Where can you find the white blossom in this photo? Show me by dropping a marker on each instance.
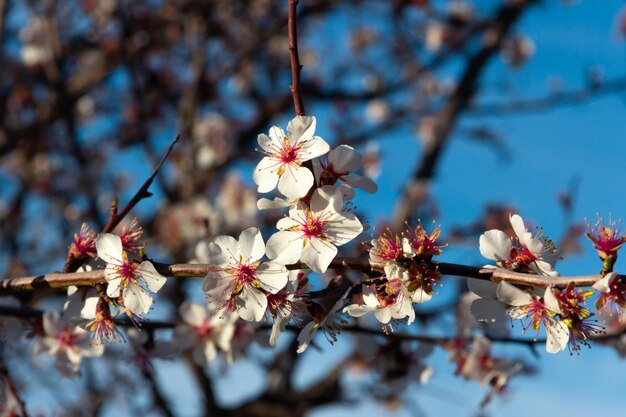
(240, 283)
(312, 234)
(285, 154)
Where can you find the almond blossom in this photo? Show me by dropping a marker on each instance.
(204, 331)
(285, 154)
(337, 168)
(536, 310)
(287, 303)
(612, 298)
(312, 234)
(133, 282)
(534, 253)
(69, 344)
(242, 282)
(607, 239)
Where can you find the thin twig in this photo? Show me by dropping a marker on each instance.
(73, 261)
(295, 60)
(8, 382)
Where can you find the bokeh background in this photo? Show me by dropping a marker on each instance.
(478, 108)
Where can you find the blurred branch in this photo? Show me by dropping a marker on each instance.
(550, 101)
(12, 390)
(416, 189)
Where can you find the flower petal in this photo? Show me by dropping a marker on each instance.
(284, 247)
(154, 281)
(512, 295)
(251, 245)
(251, 304)
(109, 248)
(318, 254)
(295, 182)
(495, 245)
(272, 276)
(265, 174)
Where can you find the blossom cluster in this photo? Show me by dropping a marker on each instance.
(314, 183)
(408, 276)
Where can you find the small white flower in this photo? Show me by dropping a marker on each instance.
(69, 344)
(535, 311)
(240, 284)
(336, 168)
(312, 234)
(204, 331)
(534, 252)
(127, 279)
(285, 154)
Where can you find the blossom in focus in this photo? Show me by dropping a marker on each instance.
(69, 344)
(534, 311)
(204, 331)
(85, 241)
(534, 253)
(612, 298)
(337, 167)
(576, 316)
(130, 235)
(607, 239)
(285, 154)
(423, 243)
(242, 282)
(389, 247)
(312, 234)
(133, 282)
(388, 298)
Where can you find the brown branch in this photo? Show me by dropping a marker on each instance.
(295, 61)
(92, 278)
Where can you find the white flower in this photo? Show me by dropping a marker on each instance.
(388, 301)
(70, 345)
(288, 302)
(536, 253)
(337, 167)
(313, 234)
(125, 278)
(536, 310)
(282, 164)
(203, 330)
(240, 284)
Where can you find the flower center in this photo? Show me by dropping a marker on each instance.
(67, 338)
(288, 153)
(128, 272)
(244, 273)
(204, 330)
(313, 226)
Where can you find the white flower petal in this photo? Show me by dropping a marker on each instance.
(284, 247)
(549, 299)
(251, 304)
(344, 158)
(603, 284)
(136, 299)
(295, 182)
(251, 245)
(495, 245)
(512, 295)
(154, 281)
(518, 226)
(272, 276)
(306, 335)
(558, 335)
(301, 128)
(265, 174)
(318, 254)
(109, 248)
